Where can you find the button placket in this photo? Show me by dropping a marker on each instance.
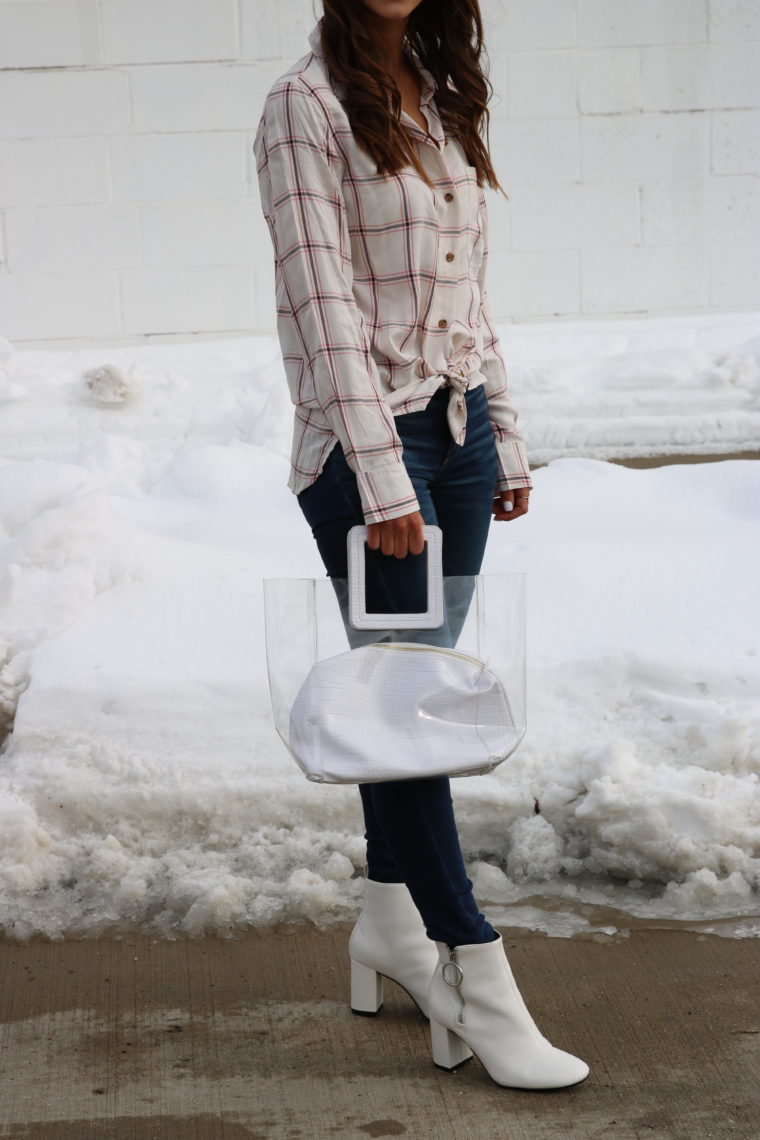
(447, 197)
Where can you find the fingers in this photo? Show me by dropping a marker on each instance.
(511, 504)
(416, 541)
(397, 537)
(391, 542)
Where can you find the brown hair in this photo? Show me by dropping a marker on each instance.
(447, 35)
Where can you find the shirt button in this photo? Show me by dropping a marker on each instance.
(443, 323)
(449, 256)
(448, 196)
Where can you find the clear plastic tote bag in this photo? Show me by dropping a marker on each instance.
(361, 695)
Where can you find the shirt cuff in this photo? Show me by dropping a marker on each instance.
(514, 470)
(386, 493)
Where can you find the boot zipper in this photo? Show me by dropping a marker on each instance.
(456, 981)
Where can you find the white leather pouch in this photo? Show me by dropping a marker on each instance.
(403, 702)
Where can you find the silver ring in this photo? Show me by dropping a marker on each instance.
(457, 967)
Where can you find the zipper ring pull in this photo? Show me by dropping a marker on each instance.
(459, 974)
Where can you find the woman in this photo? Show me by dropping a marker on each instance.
(370, 167)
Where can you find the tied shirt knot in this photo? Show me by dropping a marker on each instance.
(456, 411)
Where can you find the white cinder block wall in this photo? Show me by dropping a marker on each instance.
(626, 132)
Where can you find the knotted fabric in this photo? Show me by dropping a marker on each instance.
(456, 412)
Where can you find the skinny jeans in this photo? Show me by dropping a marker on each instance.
(410, 826)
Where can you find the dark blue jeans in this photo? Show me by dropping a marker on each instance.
(411, 830)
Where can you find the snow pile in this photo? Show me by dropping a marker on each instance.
(143, 498)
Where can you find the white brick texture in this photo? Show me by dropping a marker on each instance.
(734, 20)
(645, 145)
(53, 34)
(618, 22)
(574, 215)
(542, 84)
(59, 239)
(691, 77)
(736, 142)
(609, 80)
(530, 25)
(165, 31)
(673, 277)
(735, 272)
(625, 132)
(187, 298)
(683, 210)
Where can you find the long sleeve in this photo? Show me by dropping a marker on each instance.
(298, 167)
(513, 460)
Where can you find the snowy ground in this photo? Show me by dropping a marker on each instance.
(143, 783)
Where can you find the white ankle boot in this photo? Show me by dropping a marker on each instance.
(389, 940)
(475, 1007)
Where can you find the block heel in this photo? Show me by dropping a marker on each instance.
(449, 1050)
(389, 942)
(366, 989)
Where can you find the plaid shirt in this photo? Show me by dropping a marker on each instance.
(380, 287)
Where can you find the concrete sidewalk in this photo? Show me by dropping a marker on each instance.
(252, 1039)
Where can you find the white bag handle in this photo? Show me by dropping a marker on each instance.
(431, 618)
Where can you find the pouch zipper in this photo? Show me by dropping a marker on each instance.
(426, 649)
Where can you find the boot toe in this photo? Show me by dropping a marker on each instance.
(567, 1069)
(549, 1068)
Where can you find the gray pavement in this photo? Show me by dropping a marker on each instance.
(252, 1038)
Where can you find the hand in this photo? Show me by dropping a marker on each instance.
(510, 504)
(399, 536)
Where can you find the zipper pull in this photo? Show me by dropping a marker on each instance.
(454, 978)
